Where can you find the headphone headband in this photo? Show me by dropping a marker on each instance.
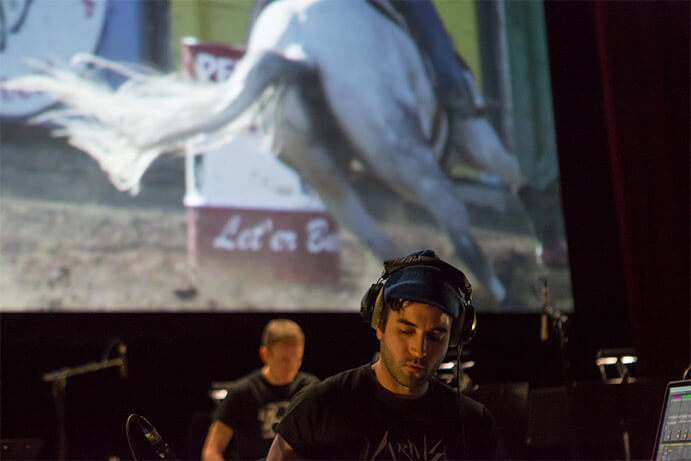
(453, 275)
(465, 324)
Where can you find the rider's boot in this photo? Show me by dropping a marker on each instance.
(463, 99)
(452, 76)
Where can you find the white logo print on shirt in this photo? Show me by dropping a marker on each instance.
(405, 450)
(269, 415)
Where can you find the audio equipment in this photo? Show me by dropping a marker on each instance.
(449, 284)
(152, 436)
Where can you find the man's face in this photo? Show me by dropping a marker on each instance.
(413, 344)
(283, 360)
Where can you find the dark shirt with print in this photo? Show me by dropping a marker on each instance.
(252, 409)
(351, 416)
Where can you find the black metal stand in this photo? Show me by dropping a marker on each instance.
(59, 380)
(555, 321)
(58, 391)
(557, 324)
(623, 413)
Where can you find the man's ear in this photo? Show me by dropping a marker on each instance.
(379, 332)
(264, 353)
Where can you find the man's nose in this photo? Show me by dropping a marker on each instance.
(419, 346)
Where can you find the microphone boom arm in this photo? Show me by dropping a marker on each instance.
(91, 367)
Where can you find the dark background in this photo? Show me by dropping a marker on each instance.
(620, 76)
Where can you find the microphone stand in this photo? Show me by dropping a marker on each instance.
(557, 321)
(59, 380)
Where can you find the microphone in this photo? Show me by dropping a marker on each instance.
(155, 440)
(544, 329)
(122, 352)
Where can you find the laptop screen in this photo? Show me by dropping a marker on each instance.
(673, 439)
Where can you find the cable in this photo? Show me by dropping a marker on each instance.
(128, 424)
(458, 367)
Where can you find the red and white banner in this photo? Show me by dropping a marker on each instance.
(245, 206)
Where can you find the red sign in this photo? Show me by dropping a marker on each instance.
(293, 245)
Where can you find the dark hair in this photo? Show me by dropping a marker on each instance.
(390, 305)
(280, 329)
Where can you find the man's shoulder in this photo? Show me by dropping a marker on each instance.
(304, 378)
(472, 406)
(345, 381)
(337, 391)
(301, 381)
(244, 383)
(468, 406)
(239, 398)
(349, 378)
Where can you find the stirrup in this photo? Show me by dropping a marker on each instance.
(467, 102)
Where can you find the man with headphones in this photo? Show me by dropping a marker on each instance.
(395, 408)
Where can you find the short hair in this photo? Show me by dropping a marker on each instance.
(280, 329)
(395, 305)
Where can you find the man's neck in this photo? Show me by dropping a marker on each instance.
(266, 373)
(387, 381)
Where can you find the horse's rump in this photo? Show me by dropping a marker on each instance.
(355, 63)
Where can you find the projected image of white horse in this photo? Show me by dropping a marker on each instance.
(332, 81)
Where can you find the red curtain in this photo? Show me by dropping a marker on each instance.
(620, 73)
(643, 52)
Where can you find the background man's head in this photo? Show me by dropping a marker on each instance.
(283, 344)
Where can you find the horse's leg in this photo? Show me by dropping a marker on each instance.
(341, 200)
(407, 164)
(318, 164)
(476, 142)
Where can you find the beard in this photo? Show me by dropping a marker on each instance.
(398, 370)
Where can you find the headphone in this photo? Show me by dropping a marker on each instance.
(464, 326)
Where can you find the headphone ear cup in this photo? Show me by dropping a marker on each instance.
(369, 301)
(469, 327)
(464, 327)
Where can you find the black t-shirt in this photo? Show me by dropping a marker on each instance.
(252, 408)
(351, 416)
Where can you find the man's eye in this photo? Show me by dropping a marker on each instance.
(406, 332)
(437, 336)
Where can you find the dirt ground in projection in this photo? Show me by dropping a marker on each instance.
(70, 241)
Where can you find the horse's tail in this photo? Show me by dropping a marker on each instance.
(126, 129)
